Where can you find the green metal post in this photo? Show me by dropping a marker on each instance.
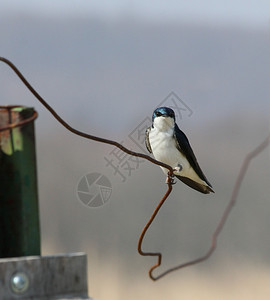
(19, 214)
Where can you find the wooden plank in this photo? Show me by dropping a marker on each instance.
(61, 276)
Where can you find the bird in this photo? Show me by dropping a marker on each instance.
(170, 145)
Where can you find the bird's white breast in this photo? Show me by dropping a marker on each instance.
(161, 138)
(164, 148)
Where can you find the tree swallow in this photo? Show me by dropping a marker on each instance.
(170, 145)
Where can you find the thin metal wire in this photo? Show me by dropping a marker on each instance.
(226, 212)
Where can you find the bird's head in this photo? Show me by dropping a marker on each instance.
(163, 118)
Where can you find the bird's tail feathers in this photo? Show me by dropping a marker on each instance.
(205, 189)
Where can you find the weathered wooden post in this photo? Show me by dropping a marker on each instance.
(44, 277)
(24, 274)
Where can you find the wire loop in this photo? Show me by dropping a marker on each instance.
(18, 124)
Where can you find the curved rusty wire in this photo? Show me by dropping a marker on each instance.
(226, 212)
(225, 215)
(146, 227)
(102, 140)
(21, 123)
(75, 131)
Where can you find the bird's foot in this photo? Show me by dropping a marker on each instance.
(170, 179)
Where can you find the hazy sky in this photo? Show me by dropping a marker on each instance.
(246, 12)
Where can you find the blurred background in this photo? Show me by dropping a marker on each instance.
(104, 66)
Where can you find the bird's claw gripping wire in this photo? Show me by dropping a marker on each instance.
(171, 177)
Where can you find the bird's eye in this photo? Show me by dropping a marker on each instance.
(158, 113)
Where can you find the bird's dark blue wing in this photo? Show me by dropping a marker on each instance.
(147, 143)
(184, 147)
